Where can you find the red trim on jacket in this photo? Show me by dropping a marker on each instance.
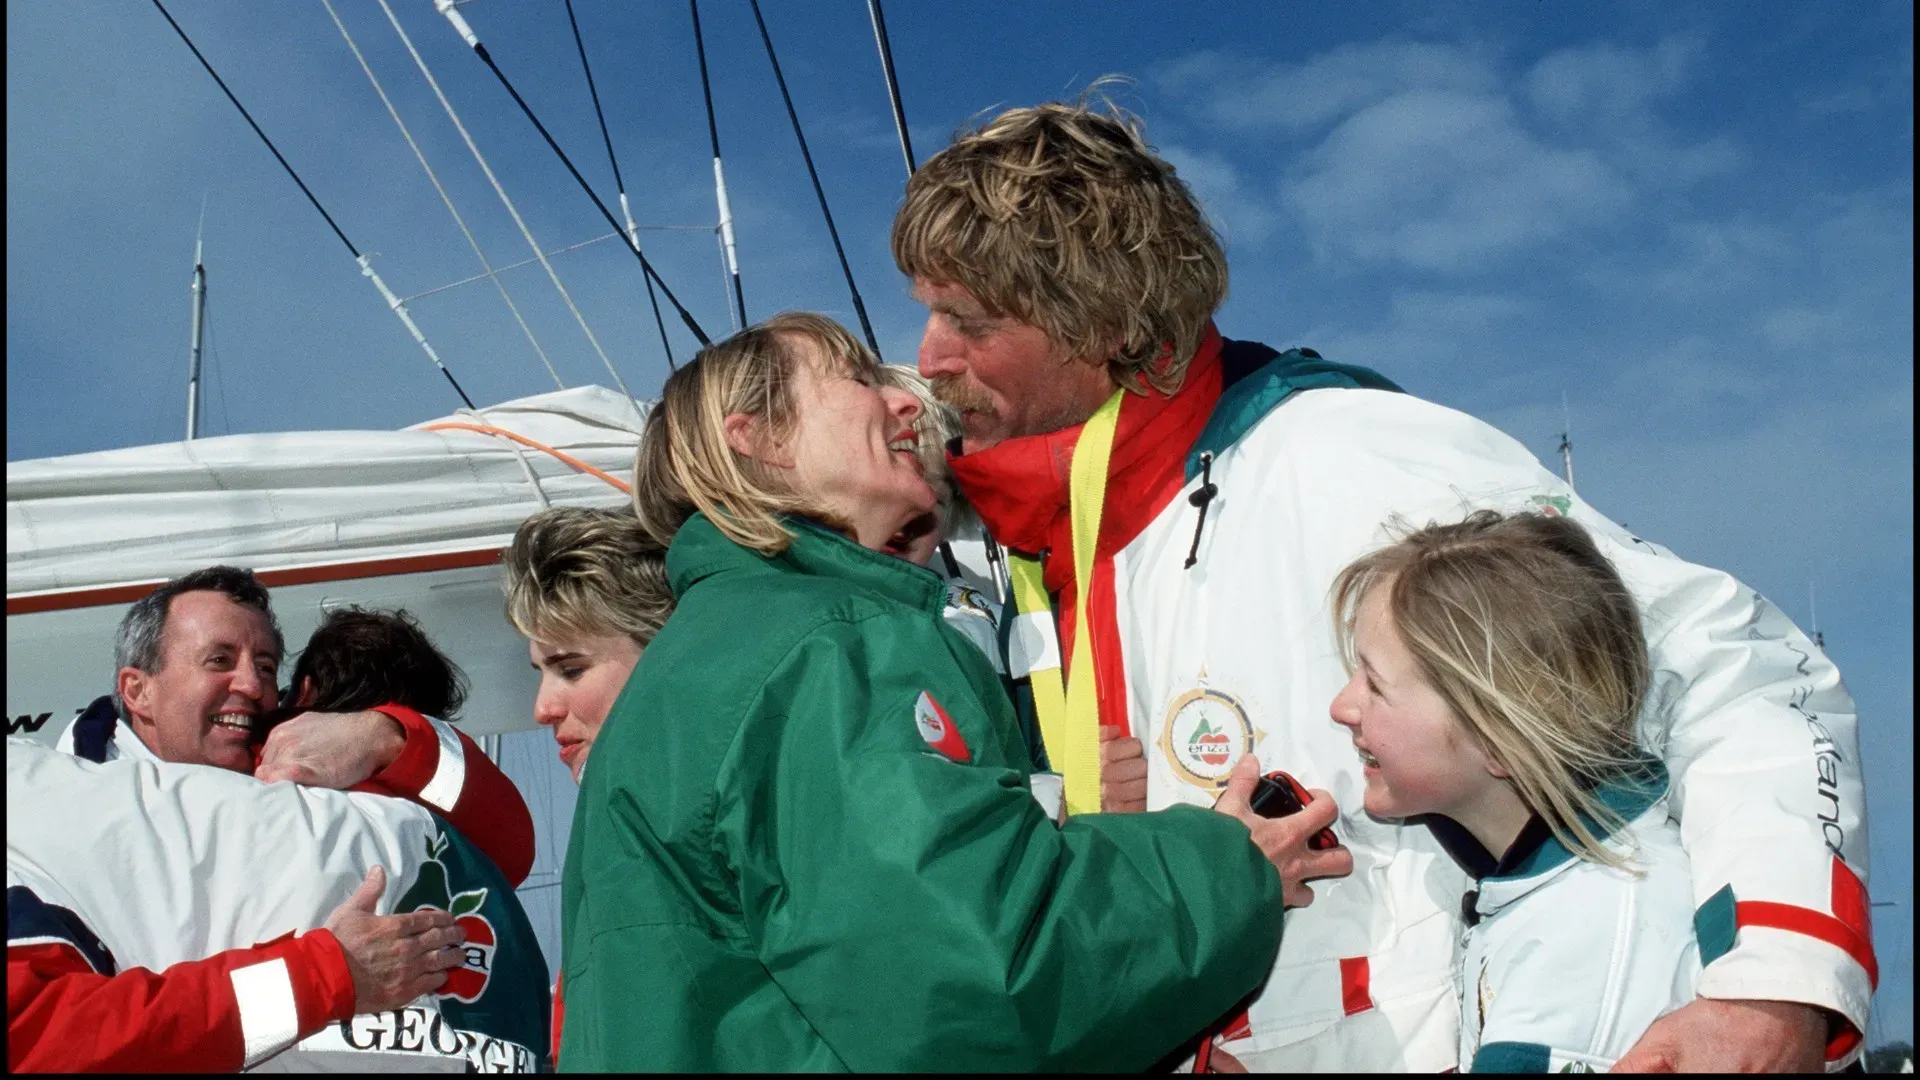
(1020, 487)
(488, 811)
(62, 1016)
(1849, 929)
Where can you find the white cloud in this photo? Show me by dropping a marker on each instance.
(1446, 181)
(1237, 210)
(1325, 88)
(1606, 81)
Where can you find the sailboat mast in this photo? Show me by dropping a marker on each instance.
(1566, 440)
(199, 327)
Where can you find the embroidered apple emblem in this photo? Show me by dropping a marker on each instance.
(468, 981)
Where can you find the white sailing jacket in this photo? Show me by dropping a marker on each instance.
(139, 864)
(1235, 653)
(1566, 962)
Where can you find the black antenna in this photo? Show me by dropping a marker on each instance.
(366, 267)
(893, 82)
(480, 50)
(859, 308)
(719, 173)
(633, 233)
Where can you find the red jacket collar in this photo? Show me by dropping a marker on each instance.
(1020, 486)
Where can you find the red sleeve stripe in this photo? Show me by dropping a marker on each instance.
(1356, 990)
(1814, 924)
(269, 1019)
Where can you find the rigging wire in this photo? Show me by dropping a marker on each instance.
(893, 82)
(507, 201)
(366, 263)
(446, 8)
(550, 252)
(739, 311)
(859, 308)
(626, 211)
(421, 157)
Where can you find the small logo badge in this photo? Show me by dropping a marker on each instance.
(1552, 505)
(938, 729)
(1204, 734)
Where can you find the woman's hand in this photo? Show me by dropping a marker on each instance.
(1284, 840)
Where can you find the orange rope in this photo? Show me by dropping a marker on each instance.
(488, 429)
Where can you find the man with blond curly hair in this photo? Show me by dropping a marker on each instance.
(1175, 506)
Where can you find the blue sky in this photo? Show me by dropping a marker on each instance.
(1694, 222)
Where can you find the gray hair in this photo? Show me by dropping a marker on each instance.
(143, 629)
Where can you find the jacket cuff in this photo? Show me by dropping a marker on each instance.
(414, 768)
(317, 971)
(1779, 965)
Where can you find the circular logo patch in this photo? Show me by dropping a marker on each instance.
(1204, 734)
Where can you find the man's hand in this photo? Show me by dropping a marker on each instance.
(1123, 773)
(1709, 1035)
(1284, 840)
(393, 958)
(331, 750)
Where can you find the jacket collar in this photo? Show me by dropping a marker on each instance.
(1020, 486)
(700, 550)
(1536, 855)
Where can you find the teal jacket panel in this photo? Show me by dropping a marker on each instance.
(805, 841)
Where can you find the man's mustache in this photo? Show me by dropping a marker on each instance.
(956, 391)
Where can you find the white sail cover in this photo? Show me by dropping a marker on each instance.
(305, 498)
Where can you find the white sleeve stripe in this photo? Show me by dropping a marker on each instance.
(450, 776)
(269, 1020)
(48, 939)
(1032, 644)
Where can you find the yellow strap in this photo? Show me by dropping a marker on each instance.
(1070, 716)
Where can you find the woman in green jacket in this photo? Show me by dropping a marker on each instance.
(807, 840)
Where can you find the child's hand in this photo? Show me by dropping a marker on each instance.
(1284, 840)
(1123, 773)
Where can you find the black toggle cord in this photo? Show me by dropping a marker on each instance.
(1201, 496)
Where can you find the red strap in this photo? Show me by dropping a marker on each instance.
(1355, 984)
(1814, 924)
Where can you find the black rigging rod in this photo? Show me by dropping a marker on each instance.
(686, 316)
(713, 136)
(620, 185)
(859, 308)
(365, 266)
(893, 82)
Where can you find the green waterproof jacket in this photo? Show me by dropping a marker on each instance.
(805, 841)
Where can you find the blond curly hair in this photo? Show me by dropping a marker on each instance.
(1062, 217)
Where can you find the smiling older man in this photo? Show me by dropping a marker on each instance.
(1176, 505)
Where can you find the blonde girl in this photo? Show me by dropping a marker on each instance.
(1498, 673)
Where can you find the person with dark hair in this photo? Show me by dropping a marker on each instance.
(359, 659)
(381, 663)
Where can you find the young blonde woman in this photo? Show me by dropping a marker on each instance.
(588, 588)
(807, 841)
(1498, 672)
